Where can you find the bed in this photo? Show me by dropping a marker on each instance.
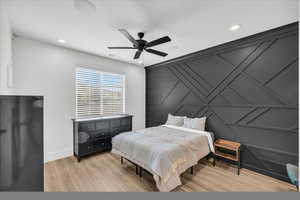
(165, 151)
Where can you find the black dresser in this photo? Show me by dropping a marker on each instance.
(94, 135)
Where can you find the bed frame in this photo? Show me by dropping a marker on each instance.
(139, 170)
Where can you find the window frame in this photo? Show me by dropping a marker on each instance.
(100, 72)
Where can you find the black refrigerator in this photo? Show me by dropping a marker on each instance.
(21, 143)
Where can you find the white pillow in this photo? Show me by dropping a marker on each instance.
(175, 120)
(195, 123)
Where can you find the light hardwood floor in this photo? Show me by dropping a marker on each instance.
(104, 173)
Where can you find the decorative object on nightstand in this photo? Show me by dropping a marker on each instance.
(292, 171)
(228, 150)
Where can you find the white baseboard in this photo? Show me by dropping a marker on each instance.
(50, 156)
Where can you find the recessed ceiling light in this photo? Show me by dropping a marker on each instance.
(61, 41)
(234, 27)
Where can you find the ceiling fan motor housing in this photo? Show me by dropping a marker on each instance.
(142, 44)
(141, 35)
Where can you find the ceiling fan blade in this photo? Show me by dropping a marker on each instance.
(85, 6)
(121, 47)
(156, 52)
(137, 54)
(128, 36)
(159, 41)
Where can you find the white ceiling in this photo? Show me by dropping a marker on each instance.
(193, 25)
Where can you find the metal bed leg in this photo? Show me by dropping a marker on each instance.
(141, 169)
(214, 160)
(136, 169)
(121, 160)
(192, 170)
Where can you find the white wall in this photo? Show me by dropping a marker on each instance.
(44, 69)
(5, 49)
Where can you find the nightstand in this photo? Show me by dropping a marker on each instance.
(228, 150)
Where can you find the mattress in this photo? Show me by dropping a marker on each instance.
(166, 151)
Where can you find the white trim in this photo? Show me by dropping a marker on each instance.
(124, 92)
(50, 156)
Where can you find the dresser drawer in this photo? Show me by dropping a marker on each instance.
(115, 123)
(102, 125)
(126, 128)
(102, 145)
(114, 132)
(85, 149)
(98, 134)
(95, 146)
(92, 136)
(126, 121)
(89, 126)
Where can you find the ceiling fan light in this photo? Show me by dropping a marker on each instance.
(84, 6)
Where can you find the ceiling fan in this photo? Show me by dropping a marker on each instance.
(84, 6)
(142, 45)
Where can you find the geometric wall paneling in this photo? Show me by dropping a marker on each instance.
(175, 96)
(276, 156)
(208, 66)
(282, 85)
(268, 139)
(189, 84)
(160, 75)
(220, 100)
(155, 115)
(233, 96)
(247, 89)
(237, 56)
(277, 118)
(271, 163)
(244, 85)
(286, 50)
(251, 160)
(188, 110)
(231, 114)
(218, 127)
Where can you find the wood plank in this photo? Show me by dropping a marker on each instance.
(227, 144)
(104, 173)
(226, 155)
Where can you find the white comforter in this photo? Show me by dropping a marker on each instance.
(165, 151)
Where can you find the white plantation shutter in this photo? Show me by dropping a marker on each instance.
(98, 93)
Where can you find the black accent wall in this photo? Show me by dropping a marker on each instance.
(248, 90)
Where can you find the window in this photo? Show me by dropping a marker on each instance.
(99, 93)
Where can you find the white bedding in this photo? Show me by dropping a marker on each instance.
(165, 151)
